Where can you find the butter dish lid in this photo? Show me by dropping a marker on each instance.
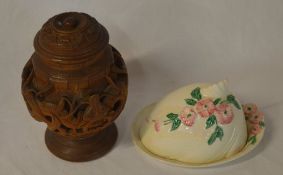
(199, 124)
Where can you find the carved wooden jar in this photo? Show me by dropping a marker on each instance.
(76, 83)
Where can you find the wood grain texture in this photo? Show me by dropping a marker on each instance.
(74, 81)
(82, 149)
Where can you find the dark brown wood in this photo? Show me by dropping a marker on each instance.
(81, 149)
(76, 83)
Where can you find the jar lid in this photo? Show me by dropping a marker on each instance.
(70, 35)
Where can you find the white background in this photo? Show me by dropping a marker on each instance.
(166, 44)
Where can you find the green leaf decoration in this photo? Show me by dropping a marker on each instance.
(236, 104)
(210, 121)
(219, 132)
(216, 101)
(249, 139)
(231, 99)
(176, 124)
(212, 138)
(252, 139)
(172, 116)
(190, 101)
(261, 124)
(196, 93)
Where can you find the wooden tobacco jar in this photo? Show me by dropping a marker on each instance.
(76, 83)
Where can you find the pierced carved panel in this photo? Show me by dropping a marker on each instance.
(76, 113)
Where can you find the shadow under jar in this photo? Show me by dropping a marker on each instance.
(76, 83)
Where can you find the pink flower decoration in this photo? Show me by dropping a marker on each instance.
(205, 107)
(249, 109)
(156, 125)
(224, 113)
(188, 116)
(255, 118)
(254, 129)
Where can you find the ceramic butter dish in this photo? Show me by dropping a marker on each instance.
(198, 125)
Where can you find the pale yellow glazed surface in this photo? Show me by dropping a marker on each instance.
(189, 144)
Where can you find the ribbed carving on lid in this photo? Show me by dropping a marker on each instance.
(70, 36)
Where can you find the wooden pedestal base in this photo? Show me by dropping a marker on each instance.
(81, 149)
